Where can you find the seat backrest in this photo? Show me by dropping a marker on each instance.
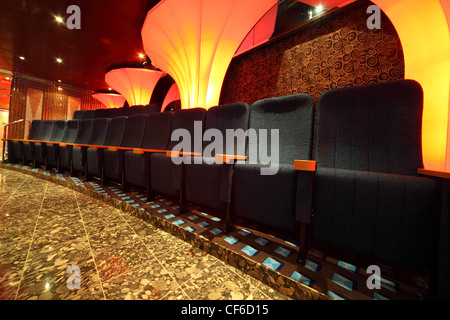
(84, 132)
(88, 114)
(109, 113)
(58, 130)
(35, 129)
(99, 131)
(157, 131)
(135, 110)
(184, 119)
(71, 131)
(152, 108)
(46, 130)
(78, 114)
(134, 131)
(293, 117)
(373, 128)
(100, 113)
(116, 130)
(229, 116)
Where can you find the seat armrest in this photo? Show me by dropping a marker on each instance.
(305, 165)
(171, 154)
(437, 174)
(229, 158)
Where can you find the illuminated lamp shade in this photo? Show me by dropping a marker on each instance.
(172, 95)
(260, 33)
(110, 100)
(135, 84)
(327, 4)
(194, 41)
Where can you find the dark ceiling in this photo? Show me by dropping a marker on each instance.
(109, 35)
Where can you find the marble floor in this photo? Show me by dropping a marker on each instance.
(50, 234)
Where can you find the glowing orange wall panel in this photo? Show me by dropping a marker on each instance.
(110, 100)
(172, 95)
(424, 33)
(135, 84)
(194, 41)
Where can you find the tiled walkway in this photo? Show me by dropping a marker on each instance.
(46, 228)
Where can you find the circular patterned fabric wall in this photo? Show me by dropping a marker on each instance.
(334, 51)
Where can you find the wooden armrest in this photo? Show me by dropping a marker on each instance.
(142, 151)
(438, 174)
(95, 147)
(305, 165)
(229, 158)
(171, 154)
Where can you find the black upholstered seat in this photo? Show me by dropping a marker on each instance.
(156, 137)
(100, 113)
(78, 114)
(165, 176)
(88, 114)
(132, 138)
(83, 135)
(114, 136)
(266, 199)
(17, 148)
(44, 135)
(209, 184)
(41, 149)
(70, 134)
(94, 134)
(369, 199)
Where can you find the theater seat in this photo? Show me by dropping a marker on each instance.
(368, 197)
(78, 114)
(38, 149)
(88, 114)
(209, 185)
(43, 149)
(97, 136)
(266, 200)
(156, 137)
(16, 148)
(132, 138)
(114, 136)
(165, 176)
(53, 150)
(82, 137)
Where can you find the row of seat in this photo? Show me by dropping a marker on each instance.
(347, 173)
(116, 112)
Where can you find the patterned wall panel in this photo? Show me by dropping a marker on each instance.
(332, 51)
(55, 101)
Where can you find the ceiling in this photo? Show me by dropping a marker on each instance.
(110, 35)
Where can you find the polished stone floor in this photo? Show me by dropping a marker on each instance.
(48, 233)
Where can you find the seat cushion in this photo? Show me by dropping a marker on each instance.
(382, 216)
(265, 199)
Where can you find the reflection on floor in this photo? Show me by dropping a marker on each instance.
(45, 228)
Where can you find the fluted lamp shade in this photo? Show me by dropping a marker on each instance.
(135, 84)
(194, 41)
(172, 95)
(110, 100)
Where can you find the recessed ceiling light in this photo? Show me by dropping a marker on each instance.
(141, 55)
(59, 60)
(59, 81)
(59, 19)
(22, 58)
(109, 89)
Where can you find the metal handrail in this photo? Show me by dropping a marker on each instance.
(4, 134)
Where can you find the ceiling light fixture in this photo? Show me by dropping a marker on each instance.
(141, 55)
(59, 60)
(59, 19)
(22, 58)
